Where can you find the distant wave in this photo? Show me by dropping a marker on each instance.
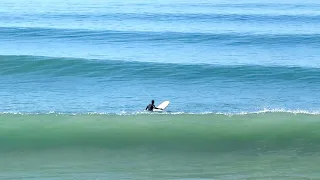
(59, 67)
(202, 17)
(271, 5)
(103, 37)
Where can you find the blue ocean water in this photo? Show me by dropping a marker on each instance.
(204, 56)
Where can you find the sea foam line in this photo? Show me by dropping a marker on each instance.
(124, 113)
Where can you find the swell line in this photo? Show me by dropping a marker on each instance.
(78, 35)
(162, 17)
(61, 67)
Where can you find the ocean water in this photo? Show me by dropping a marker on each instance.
(243, 79)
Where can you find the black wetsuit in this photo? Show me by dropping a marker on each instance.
(150, 107)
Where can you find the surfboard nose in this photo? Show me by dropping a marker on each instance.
(163, 105)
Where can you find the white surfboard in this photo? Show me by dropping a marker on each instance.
(162, 106)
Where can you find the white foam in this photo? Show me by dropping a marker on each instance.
(124, 113)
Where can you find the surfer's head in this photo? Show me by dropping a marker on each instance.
(152, 101)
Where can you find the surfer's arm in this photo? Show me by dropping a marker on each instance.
(154, 107)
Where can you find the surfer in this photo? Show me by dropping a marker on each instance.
(151, 106)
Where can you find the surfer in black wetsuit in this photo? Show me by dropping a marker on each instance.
(151, 106)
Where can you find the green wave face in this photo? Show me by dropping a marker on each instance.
(265, 132)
